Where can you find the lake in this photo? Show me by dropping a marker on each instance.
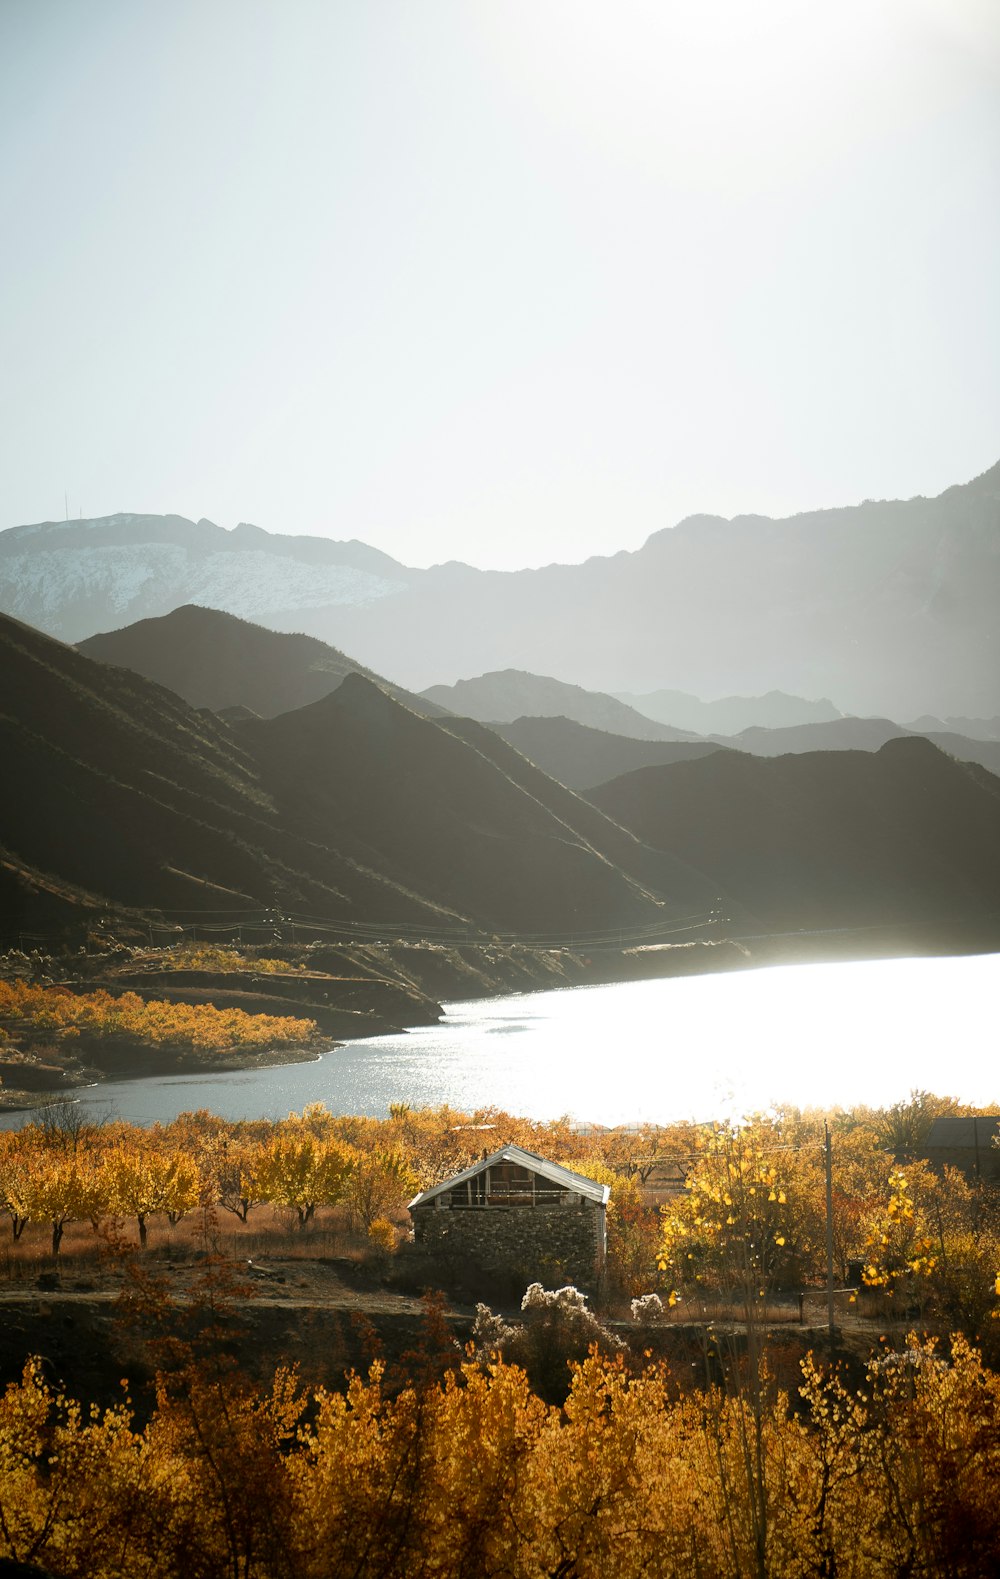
(694, 1047)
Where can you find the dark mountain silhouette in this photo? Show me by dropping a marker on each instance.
(903, 835)
(728, 715)
(888, 606)
(582, 758)
(450, 809)
(670, 876)
(215, 660)
(512, 693)
(119, 788)
(351, 808)
(857, 734)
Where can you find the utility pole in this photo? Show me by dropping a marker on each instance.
(828, 1149)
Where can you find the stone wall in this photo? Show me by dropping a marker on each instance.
(562, 1245)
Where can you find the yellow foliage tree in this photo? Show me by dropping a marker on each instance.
(297, 1170)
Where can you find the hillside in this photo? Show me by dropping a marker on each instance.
(450, 810)
(352, 808)
(117, 788)
(902, 835)
(215, 660)
(512, 693)
(582, 758)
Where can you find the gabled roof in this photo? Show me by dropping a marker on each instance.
(553, 1171)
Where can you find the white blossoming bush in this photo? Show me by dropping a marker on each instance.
(647, 1308)
(558, 1330)
(490, 1332)
(563, 1299)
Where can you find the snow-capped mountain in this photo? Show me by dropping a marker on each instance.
(70, 578)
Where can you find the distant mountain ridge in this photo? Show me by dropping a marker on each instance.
(72, 578)
(728, 715)
(858, 734)
(888, 606)
(510, 694)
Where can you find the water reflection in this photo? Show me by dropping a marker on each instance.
(656, 1050)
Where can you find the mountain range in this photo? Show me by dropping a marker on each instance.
(512, 693)
(887, 606)
(728, 715)
(352, 808)
(829, 839)
(355, 808)
(581, 738)
(858, 734)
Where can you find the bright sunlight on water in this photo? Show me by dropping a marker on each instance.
(698, 1047)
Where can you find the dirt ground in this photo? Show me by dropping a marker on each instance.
(86, 1328)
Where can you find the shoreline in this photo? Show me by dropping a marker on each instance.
(503, 971)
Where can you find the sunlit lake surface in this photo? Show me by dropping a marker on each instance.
(698, 1047)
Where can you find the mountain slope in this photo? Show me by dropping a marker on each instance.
(352, 808)
(512, 693)
(432, 803)
(212, 659)
(118, 787)
(582, 758)
(903, 835)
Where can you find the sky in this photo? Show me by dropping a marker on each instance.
(511, 282)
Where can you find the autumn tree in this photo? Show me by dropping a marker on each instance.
(143, 1180)
(16, 1181)
(380, 1182)
(297, 1170)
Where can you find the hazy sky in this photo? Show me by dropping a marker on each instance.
(504, 280)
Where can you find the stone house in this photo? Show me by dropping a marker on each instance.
(515, 1212)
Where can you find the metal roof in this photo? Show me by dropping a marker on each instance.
(553, 1171)
(959, 1134)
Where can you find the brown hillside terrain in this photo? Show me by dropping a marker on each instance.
(671, 876)
(826, 839)
(434, 804)
(353, 808)
(118, 788)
